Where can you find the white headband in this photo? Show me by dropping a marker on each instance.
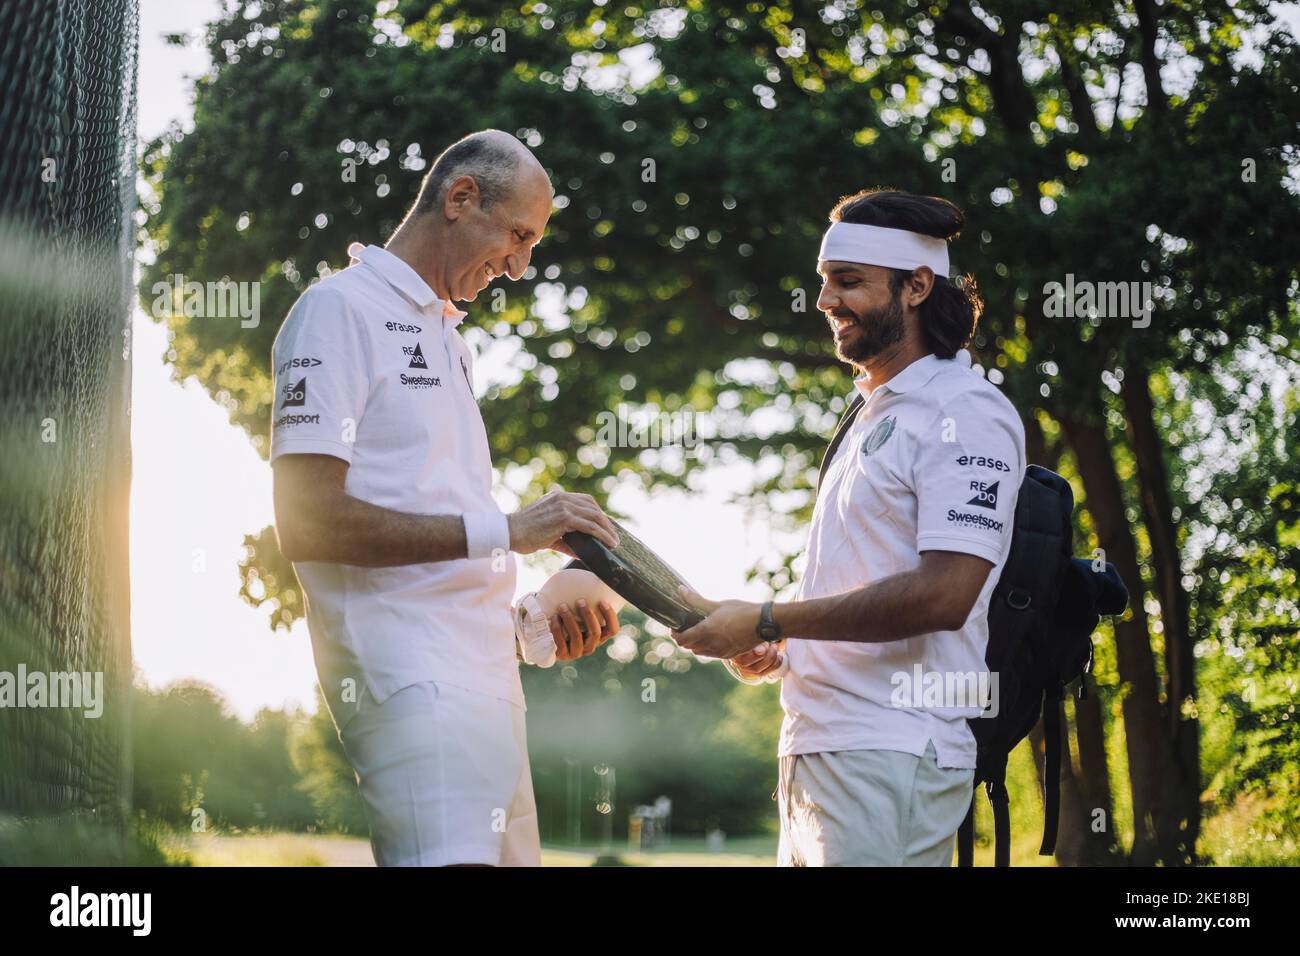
(879, 246)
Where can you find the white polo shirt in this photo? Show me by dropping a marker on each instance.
(369, 368)
(932, 462)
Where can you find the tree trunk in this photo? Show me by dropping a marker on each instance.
(1181, 824)
(1145, 740)
(1070, 832)
(1098, 809)
(1149, 31)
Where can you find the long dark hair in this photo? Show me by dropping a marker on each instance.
(951, 312)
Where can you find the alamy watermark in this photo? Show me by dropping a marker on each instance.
(1099, 300)
(76, 908)
(630, 427)
(920, 689)
(78, 690)
(223, 299)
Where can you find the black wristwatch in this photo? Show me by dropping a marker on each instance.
(767, 628)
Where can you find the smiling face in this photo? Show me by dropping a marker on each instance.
(865, 313)
(493, 241)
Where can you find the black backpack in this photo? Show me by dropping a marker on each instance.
(1042, 615)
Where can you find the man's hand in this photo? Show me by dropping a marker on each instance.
(759, 661)
(543, 523)
(570, 640)
(729, 628)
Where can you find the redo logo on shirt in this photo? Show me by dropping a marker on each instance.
(878, 436)
(295, 394)
(417, 357)
(986, 495)
(418, 361)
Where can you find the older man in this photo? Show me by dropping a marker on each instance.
(911, 528)
(383, 502)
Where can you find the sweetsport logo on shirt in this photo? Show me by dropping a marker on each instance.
(967, 520)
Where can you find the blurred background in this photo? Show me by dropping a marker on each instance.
(695, 151)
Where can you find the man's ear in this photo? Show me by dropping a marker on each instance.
(462, 193)
(918, 286)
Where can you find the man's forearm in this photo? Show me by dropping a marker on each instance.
(347, 530)
(900, 606)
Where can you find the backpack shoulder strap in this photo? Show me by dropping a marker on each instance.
(966, 834)
(995, 785)
(1000, 802)
(842, 429)
(1051, 769)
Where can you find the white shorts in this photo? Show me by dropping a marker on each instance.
(444, 775)
(870, 808)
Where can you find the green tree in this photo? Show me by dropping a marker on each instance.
(196, 763)
(324, 774)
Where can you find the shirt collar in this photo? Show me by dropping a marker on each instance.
(914, 376)
(405, 280)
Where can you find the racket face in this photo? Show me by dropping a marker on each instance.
(637, 574)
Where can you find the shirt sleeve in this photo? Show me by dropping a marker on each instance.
(967, 474)
(321, 378)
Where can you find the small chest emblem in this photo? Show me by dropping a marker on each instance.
(876, 439)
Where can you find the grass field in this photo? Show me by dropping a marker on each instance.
(1232, 838)
(299, 849)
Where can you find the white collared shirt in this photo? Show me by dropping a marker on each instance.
(933, 462)
(369, 368)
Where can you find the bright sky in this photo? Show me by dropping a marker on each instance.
(199, 487)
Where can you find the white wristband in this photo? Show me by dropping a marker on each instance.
(487, 533)
(536, 643)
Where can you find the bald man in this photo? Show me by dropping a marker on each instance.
(383, 503)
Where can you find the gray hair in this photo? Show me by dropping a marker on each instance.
(491, 157)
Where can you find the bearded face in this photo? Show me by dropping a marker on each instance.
(859, 338)
(864, 311)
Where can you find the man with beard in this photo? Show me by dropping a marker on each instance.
(882, 650)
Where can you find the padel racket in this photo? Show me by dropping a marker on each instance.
(638, 575)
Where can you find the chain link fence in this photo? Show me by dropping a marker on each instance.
(67, 201)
